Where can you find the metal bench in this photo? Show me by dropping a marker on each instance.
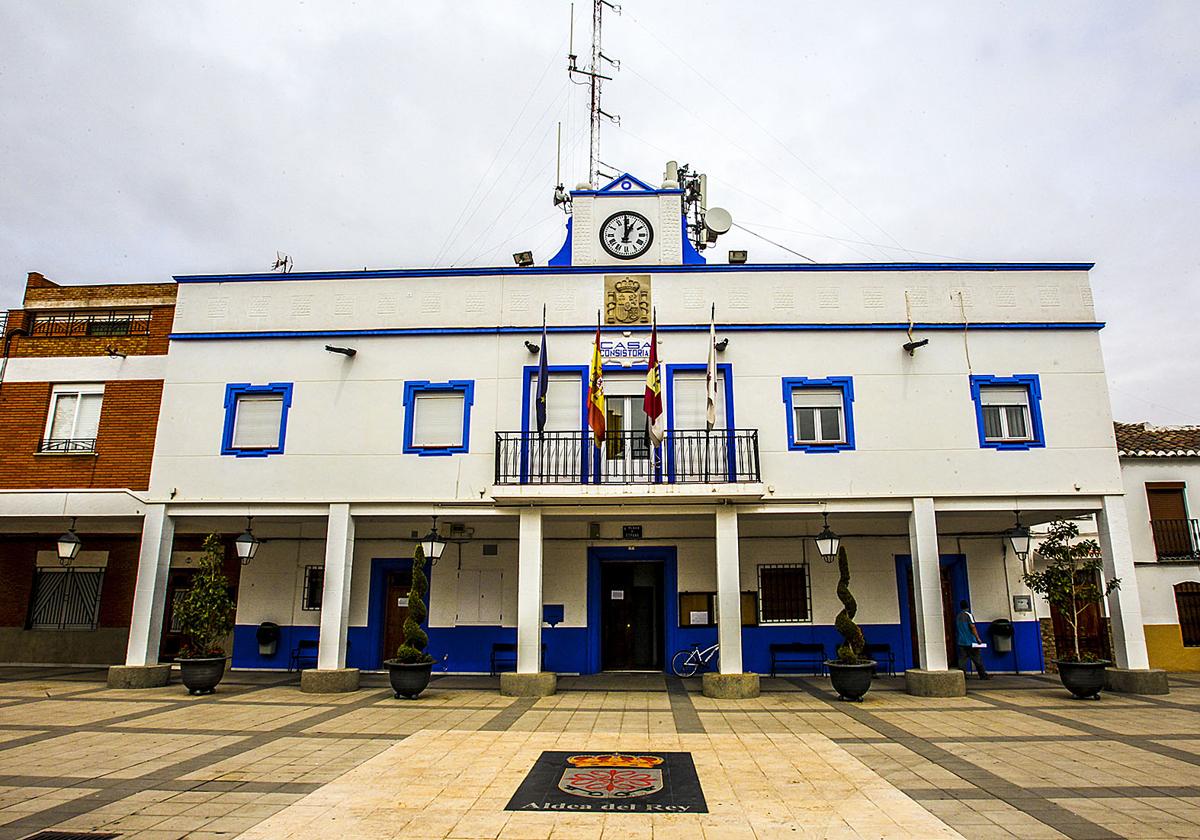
(504, 657)
(304, 653)
(881, 652)
(798, 655)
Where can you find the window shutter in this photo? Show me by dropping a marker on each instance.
(564, 405)
(437, 419)
(817, 398)
(256, 425)
(691, 402)
(88, 421)
(468, 596)
(1003, 396)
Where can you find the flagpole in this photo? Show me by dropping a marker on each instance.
(654, 360)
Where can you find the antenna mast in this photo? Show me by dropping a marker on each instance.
(595, 77)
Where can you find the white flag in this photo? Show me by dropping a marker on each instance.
(710, 384)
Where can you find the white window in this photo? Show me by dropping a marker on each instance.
(1005, 414)
(689, 395)
(74, 418)
(257, 421)
(817, 415)
(479, 593)
(438, 419)
(564, 403)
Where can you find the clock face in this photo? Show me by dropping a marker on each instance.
(626, 235)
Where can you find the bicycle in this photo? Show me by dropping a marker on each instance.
(687, 662)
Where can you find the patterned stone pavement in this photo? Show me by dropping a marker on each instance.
(1017, 758)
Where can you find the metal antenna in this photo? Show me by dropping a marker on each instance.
(594, 77)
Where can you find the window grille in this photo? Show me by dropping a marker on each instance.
(65, 599)
(77, 324)
(314, 585)
(1187, 604)
(783, 593)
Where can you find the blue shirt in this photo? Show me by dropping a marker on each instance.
(963, 624)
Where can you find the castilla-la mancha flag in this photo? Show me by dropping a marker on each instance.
(652, 398)
(595, 401)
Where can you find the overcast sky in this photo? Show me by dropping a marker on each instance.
(143, 140)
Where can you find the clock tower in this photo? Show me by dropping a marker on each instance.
(627, 223)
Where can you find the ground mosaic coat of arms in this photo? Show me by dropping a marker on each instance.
(611, 781)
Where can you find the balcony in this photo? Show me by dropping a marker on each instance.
(1176, 539)
(90, 324)
(571, 458)
(73, 446)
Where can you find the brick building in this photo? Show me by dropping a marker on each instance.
(81, 378)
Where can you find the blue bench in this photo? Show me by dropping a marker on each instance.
(799, 655)
(504, 657)
(881, 652)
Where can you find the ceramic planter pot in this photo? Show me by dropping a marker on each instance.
(408, 680)
(1082, 679)
(851, 682)
(202, 674)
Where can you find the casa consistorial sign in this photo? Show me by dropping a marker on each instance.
(627, 299)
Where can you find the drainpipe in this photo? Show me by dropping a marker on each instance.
(7, 341)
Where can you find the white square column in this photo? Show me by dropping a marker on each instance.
(927, 586)
(335, 595)
(729, 592)
(150, 592)
(529, 592)
(1124, 606)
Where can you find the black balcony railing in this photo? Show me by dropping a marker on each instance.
(1176, 539)
(95, 324)
(67, 445)
(684, 457)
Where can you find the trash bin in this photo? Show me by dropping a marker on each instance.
(268, 638)
(1002, 635)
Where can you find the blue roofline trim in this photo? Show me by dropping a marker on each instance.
(676, 328)
(623, 185)
(608, 269)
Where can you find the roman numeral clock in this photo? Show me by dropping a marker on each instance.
(626, 235)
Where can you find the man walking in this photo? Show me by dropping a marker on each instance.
(968, 639)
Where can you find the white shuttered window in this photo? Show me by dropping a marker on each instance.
(817, 415)
(1005, 414)
(564, 403)
(438, 419)
(690, 399)
(257, 421)
(74, 412)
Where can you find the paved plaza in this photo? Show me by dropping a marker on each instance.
(261, 760)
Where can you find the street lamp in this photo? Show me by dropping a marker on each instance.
(1018, 538)
(68, 545)
(247, 544)
(827, 542)
(433, 543)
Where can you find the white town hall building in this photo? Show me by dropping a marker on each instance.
(344, 411)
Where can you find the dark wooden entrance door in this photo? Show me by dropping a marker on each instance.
(179, 583)
(1093, 632)
(395, 610)
(631, 616)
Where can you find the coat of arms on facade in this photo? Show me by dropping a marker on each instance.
(627, 299)
(612, 776)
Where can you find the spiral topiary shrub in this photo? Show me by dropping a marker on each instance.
(850, 650)
(412, 650)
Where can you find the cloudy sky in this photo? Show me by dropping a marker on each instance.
(144, 139)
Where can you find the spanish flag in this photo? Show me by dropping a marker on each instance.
(596, 392)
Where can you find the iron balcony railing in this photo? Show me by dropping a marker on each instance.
(67, 445)
(94, 324)
(1176, 539)
(684, 457)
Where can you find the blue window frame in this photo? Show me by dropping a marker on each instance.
(242, 441)
(438, 438)
(1008, 411)
(820, 413)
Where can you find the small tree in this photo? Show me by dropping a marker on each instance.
(850, 651)
(412, 650)
(1070, 579)
(205, 613)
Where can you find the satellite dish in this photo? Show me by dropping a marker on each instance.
(717, 220)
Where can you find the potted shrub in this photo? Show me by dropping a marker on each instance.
(409, 671)
(205, 616)
(850, 672)
(1069, 581)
